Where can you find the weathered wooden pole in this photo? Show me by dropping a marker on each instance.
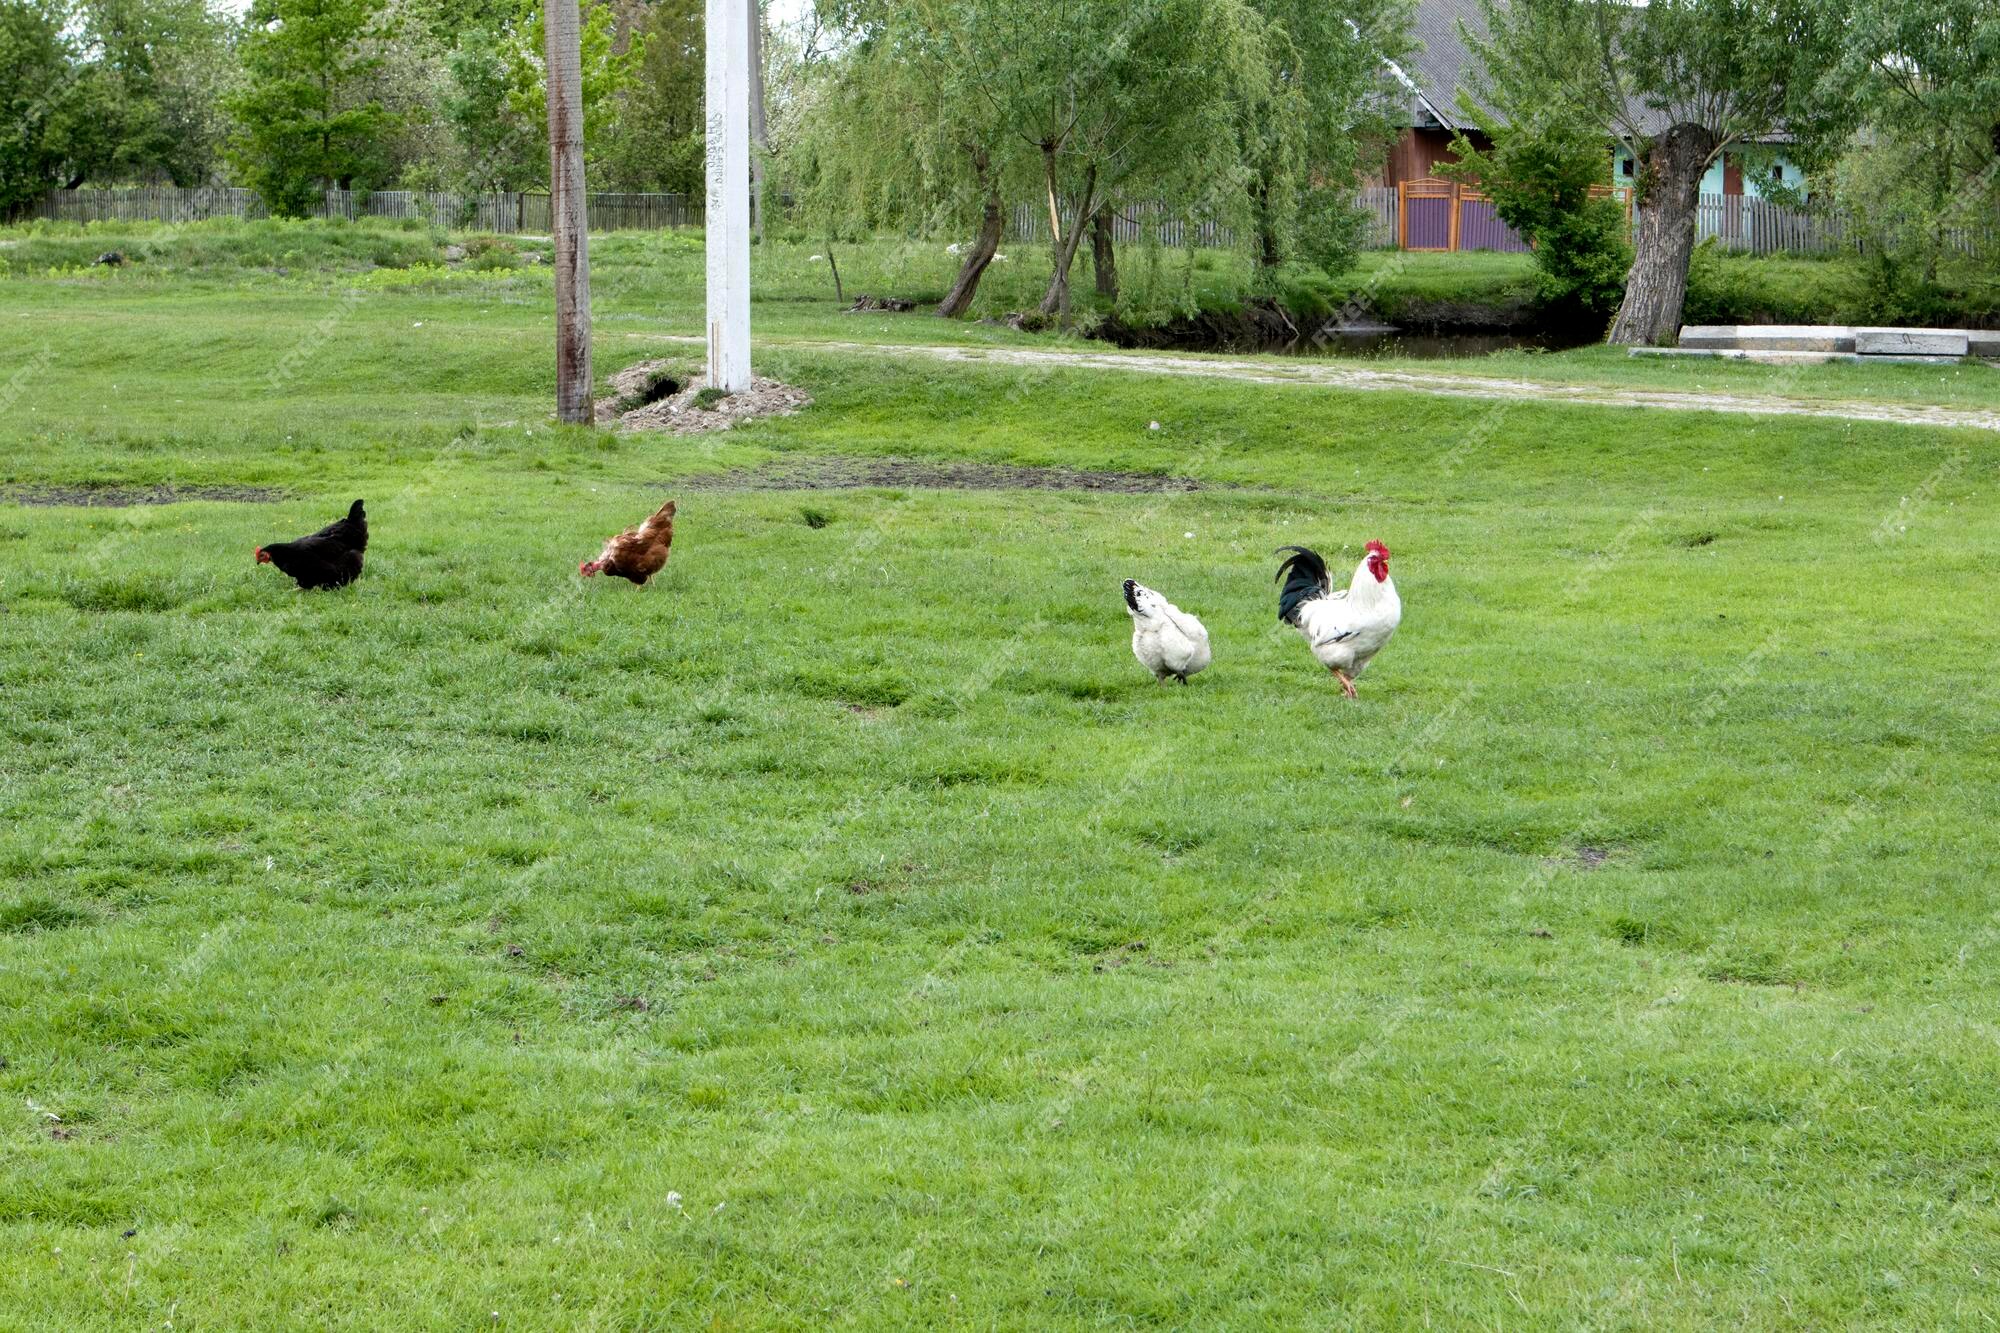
(561, 30)
(728, 223)
(760, 137)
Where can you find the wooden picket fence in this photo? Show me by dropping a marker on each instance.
(1435, 214)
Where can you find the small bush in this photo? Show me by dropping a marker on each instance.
(494, 259)
(1331, 229)
(1539, 177)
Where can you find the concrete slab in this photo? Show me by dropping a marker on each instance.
(1911, 342)
(1791, 358)
(1769, 337)
(1702, 336)
(1743, 354)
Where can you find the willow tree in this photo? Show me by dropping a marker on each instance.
(892, 143)
(1322, 113)
(949, 107)
(1113, 99)
(1927, 78)
(1677, 83)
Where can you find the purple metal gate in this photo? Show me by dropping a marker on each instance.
(1427, 223)
(1480, 228)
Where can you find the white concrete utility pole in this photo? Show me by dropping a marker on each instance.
(728, 196)
(562, 33)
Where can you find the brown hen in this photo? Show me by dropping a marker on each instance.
(636, 554)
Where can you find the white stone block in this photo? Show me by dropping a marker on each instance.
(1911, 342)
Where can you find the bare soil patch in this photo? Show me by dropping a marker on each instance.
(847, 474)
(662, 395)
(124, 497)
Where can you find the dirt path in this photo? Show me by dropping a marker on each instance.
(1323, 375)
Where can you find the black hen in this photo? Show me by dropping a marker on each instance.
(1305, 578)
(330, 558)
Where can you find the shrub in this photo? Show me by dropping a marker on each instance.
(1331, 229)
(1539, 177)
(484, 254)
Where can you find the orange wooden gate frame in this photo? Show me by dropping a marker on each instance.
(1426, 187)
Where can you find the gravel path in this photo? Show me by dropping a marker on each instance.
(1323, 374)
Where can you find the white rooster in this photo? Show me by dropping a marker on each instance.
(1346, 629)
(1167, 640)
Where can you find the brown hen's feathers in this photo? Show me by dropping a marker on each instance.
(638, 553)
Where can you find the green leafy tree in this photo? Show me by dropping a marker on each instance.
(156, 77)
(892, 132)
(1321, 117)
(307, 122)
(37, 93)
(1113, 99)
(606, 71)
(658, 136)
(1678, 82)
(937, 110)
(1927, 78)
(499, 147)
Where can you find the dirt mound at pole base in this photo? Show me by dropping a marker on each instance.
(668, 396)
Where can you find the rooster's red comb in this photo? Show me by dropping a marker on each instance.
(1377, 548)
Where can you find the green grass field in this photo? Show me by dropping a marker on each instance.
(845, 930)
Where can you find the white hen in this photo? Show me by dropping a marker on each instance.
(1345, 629)
(1167, 640)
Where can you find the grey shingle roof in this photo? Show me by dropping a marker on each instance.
(1445, 64)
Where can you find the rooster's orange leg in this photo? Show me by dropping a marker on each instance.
(1346, 682)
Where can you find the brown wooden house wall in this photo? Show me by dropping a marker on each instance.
(1418, 153)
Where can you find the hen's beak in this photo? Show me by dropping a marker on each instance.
(263, 556)
(587, 568)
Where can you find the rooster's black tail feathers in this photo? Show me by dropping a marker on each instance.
(1305, 578)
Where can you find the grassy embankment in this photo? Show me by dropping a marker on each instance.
(646, 283)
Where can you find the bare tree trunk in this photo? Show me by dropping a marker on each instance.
(1103, 259)
(1940, 197)
(760, 138)
(1656, 288)
(959, 299)
(1056, 300)
(561, 27)
(1269, 254)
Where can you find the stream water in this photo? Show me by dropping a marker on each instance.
(1430, 346)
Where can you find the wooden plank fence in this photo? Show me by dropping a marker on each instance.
(1426, 214)
(506, 212)
(1379, 203)
(1130, 223)
(511, 212)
